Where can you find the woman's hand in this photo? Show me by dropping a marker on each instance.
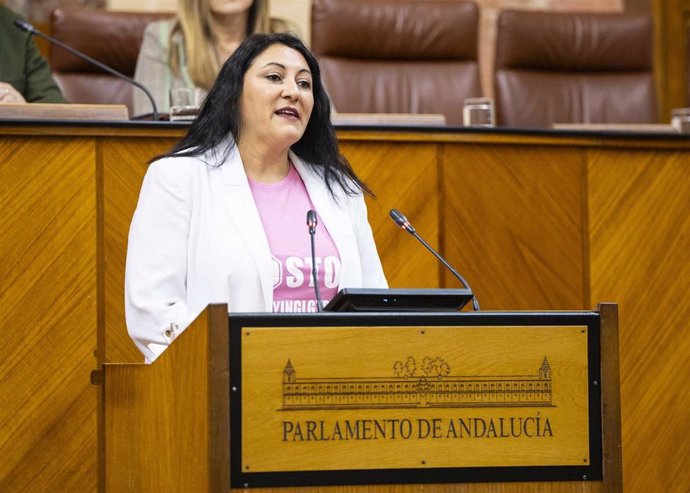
(9, 95)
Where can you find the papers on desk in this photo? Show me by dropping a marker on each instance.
(657, 128)
(393, 119)
(41, 111)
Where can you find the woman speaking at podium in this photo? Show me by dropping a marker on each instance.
(222, 217)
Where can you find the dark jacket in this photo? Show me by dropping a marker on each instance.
(22, 65)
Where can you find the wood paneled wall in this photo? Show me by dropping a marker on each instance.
(514, 220)
(533, 220)
(48, 308)
(639, 237)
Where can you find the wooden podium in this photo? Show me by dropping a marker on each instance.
(472, 402)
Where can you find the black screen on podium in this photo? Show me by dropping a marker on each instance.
(398, 300)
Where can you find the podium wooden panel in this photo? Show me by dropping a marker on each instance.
(167, 425)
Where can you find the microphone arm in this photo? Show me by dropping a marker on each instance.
(26, 27)
(402, 221)
(312, 222)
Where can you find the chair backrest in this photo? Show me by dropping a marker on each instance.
(112, 38)
(555, 67)
(687, 65)
(398, 56)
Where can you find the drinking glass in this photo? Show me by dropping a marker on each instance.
(478, 112)
(184, 103)
(680, 120)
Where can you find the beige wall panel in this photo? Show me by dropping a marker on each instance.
(640, 257)
(403, 176)
(48, 304)
(513, 224)
(297, 12)
(124, 165)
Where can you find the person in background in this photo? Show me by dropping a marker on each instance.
(222, 217)
(25, 76)
(188, 51)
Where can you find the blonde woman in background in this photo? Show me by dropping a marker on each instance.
(189, 50)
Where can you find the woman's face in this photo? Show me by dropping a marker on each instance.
(229, 7)
(277, 98)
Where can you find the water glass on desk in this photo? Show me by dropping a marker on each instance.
(478, 112)
(184, 103)
(680, 120)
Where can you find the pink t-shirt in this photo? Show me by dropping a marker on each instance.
(283, 210)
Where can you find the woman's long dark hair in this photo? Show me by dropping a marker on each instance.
(219, 116)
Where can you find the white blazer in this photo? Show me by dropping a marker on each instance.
(196, 238)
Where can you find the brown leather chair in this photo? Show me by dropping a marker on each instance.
(573, 68)
(398, 56)
(687, 64)
(112, 38)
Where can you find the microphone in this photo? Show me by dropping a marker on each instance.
(402, 221)
(26, 27)
(312, 222)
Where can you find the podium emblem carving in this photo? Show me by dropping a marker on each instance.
(429, 385)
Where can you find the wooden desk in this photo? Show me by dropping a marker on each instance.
(534, 220)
